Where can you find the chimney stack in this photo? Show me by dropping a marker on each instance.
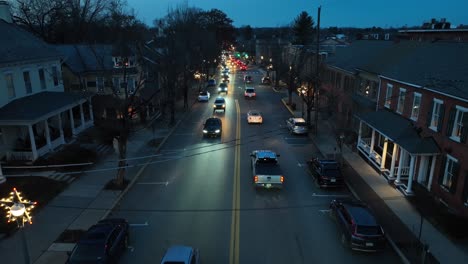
(5, 13)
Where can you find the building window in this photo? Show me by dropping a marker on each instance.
(437, 114)
(131, 85)
(1, 137)
(55, 75)
(460, 124)
(10, 85)
(27, 82)
(450, 173)
(42, 79)
(388, 95)
(100, 84)
(416, 106)
(401, 101)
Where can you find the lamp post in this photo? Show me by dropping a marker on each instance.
(197, 77)
(19, 210)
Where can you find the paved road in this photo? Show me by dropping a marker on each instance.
(186, 196)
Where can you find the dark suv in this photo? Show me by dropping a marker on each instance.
(212, 127)
(326, 172)
(360, 230)
(104, 242)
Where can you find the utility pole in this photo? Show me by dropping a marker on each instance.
(317, 76)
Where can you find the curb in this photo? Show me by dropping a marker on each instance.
(392, 243)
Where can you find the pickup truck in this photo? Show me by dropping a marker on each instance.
(266, 170)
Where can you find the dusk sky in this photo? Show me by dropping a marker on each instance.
(341, 13)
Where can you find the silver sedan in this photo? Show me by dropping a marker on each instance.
(254, 116)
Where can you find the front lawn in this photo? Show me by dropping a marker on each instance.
(36, 189)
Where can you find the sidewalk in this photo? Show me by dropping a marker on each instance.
(397, 215)
(84, 201)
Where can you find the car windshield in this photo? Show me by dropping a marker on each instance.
(254, 113)
(300, 124)
(203, 93)
(219, 101)
(212, 122)
(223, 85)
(267, 161)
(88, 252)
(369, 230)
(250, 90)
(332, 172)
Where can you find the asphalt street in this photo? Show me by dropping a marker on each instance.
(199, 192)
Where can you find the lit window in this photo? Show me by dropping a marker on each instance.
(437, 113)
(388, 95)
(416, 106)
(450, 172)
(461, 119)
(401, 100)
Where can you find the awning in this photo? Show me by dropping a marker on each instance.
(399, 130)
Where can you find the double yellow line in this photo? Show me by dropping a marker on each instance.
(235, 218)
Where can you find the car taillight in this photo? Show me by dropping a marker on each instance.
(282, 179)
(256, 178)
(355, 233)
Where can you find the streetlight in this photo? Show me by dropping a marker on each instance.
(19, 210)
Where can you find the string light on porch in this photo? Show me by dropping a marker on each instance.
(18, 209)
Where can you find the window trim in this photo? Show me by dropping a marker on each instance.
(388, 99)
(459, 109)
(55, 75)
(416, 94)
(444, 180)
(436, 102)
(402, 90)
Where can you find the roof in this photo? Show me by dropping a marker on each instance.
(20, 45)
(31, 108)
(361, 215)
(98, 232)
(85, 58)
(356, 54)
(266, 154)
(406, 136)
(177, 253)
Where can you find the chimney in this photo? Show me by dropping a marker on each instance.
(5, 11)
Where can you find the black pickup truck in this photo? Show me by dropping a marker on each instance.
(266, 170)
(327, 172)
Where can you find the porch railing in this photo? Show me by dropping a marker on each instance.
(19, 155)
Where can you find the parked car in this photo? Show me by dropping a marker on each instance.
(211, 82)
(223, 88)
(359, 228)
(327, 172)
(219, 104)
(181, 255)
(204, 96)
(104, 242)
(297, 125)
(250, 93)
(212, 127)
(254, 116)
(266, 80)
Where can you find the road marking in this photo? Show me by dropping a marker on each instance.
(183, 134)
(294, 138)
(325, 211)
(137, 225)
(153, 183)
(330, 195)
(235, 218)
(130, 248)
(301, 164)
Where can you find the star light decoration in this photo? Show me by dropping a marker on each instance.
(17, 208)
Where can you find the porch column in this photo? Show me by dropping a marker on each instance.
(82, 116)
(371, 148)
(33, 142)
(400, 165)
(62, 136)
(47, 132)
(91, 114)
(72, 121)
(394, 157)
(360, 129)
(411, 174)
(384, 154)
(431, 173)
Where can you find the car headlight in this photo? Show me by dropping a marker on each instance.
(224, 106)
(217, 131)
(205, 131)
(219, 89)
(214, 106)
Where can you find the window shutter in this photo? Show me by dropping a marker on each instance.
(441, 117)
(429, 115)
(456, 170)
(465, 189)
(464, 131)
(453, 111)
(442, 170)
